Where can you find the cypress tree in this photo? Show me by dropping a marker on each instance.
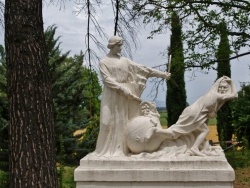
(224, 115)
(176, 93)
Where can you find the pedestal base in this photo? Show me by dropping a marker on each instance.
(129, 172)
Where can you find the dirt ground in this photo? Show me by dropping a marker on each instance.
(213, 134)
(242, 178)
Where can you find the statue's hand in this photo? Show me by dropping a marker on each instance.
(125, 91)
(168, 75)
(135, 97)
(128, 93)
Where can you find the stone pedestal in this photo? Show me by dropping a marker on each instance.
(129, 172)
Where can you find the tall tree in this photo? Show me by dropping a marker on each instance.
(176, 93)
(224, 115)
(31, 127)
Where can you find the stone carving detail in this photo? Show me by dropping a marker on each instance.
(140, 134)
(131, 127)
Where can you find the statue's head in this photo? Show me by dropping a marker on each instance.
(114, 41)
(223, 87)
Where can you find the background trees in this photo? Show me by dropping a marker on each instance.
(75, 90)
(202, 20)
(241, 115)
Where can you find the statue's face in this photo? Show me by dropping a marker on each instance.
(117, 48)
(223, 87)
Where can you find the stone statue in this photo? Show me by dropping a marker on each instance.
(133, 150)
(124, 82)
(187, 135)
(129, 126)
(194, 118)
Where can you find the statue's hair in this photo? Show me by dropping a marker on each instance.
(113, 41)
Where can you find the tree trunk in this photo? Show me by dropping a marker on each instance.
(31, 128)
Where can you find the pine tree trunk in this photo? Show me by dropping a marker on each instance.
(31, 128)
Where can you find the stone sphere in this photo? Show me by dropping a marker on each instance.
(140, 134)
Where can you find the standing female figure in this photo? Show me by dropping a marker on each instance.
(124, 81)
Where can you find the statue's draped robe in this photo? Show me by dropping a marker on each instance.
(194, 117)
(116, 108)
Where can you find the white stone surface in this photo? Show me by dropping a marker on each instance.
(155, 184)
(192, 171)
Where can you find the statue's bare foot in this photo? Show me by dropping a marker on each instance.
(196, 151)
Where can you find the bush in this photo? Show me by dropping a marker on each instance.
(4, 179)
(238, 158)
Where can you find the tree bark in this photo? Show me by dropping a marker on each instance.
(31, 129)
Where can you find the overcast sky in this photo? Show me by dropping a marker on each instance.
(72, 30)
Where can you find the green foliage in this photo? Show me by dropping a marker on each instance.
(67, 177)
(212, 121)
(163, 118)
(4, 179)
(223, 53)
(202, 21)
(176, 93)
(241, 115)
(75, 91)
(89, 139)
(238, 158)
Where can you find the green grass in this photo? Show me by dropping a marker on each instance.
(239, 160)
(3, 179)
(163, 118)
(67, 177)
(212, 121)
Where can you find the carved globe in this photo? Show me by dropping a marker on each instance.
(140, 135)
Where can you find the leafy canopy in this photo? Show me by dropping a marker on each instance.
(201, 25)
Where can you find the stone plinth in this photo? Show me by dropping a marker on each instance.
(127, 172)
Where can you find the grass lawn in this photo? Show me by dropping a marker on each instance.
(68, 177)
(240, 161)
(242, 178)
